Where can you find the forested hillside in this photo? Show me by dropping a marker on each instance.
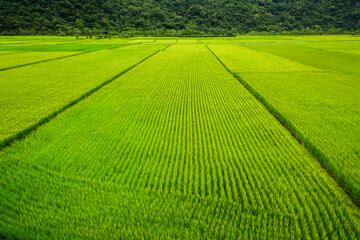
(175, 17)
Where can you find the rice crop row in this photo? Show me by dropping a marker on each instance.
(32, 93)
(174, 148)
(321, 107)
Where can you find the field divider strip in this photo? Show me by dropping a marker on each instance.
(22, 134)
(58, 58)
(3, 54)
(312, 149)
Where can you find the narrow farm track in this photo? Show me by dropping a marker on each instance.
(174, 148)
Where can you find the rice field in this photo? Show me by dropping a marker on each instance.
(170, 140)
(322, 106)
(32, 93)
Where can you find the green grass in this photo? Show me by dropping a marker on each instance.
(321, 107)
(32, 93)
(174, 148)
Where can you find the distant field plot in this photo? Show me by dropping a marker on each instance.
(30, 93)
(327, 38)
(147, 40)
(187, 41)
(12, 60)
(175, 148)
(256, 61)
(333, 45)
(348, 51)
(8, 52)
(326, 60)
(71, 47)
(36, 38)
(322, 105)
(104, 41)
(32, 43)
(51, 42)
(259, 39)
(165, 41)
(16, 43)
(279, 39)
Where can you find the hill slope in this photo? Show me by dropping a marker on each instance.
(174, 16)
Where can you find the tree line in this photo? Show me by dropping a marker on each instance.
(177, 17)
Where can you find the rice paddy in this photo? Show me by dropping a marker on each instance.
(169, 139)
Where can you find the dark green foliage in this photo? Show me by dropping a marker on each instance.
(175, 17)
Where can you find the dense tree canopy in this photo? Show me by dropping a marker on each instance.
(175, 17)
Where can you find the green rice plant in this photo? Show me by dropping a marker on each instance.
(320, 107)
(29, 95)
(175, 148)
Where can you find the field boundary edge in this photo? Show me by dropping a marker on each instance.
(312, 149)
(22, 134)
